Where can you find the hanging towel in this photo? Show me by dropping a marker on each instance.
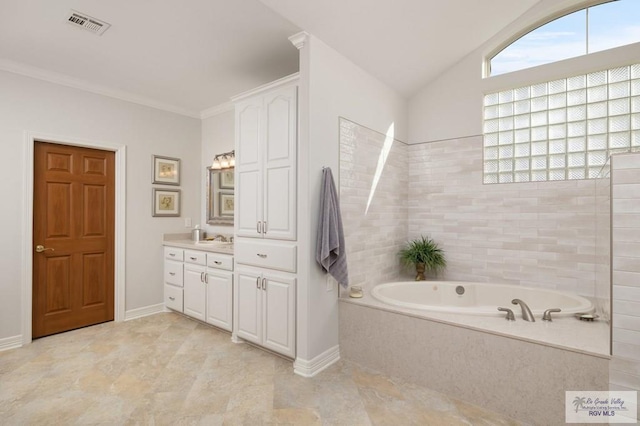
(330, 248)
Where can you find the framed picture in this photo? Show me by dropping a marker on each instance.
(166, 202)
(227, 179)
(226, 204)
(166, 170)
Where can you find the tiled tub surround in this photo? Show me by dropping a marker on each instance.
(603, 243)
(373, 199)
(625, 364)
(535, 234)
(513, 376)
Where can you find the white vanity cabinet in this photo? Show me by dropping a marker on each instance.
(173, 278)
(195, 286)
(265, 310)
(219, 282)
(266, 146)
(205, 290)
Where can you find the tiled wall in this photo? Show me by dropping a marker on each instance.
(625, 365)
(603, 243)
(537, 234)
(373, 200)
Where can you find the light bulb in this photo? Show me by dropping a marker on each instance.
(224, 163)
(216, 164)
(232, 162)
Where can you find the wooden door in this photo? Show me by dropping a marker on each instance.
(73, 221)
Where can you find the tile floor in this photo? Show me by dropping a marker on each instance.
(167, 369)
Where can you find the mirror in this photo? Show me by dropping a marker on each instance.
(220, 196)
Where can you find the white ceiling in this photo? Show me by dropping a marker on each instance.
(192, 55)
(184, 56)
(404, 43)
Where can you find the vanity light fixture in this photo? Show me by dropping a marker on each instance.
(224, 161)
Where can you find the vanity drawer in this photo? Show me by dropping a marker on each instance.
(173, 272)
(278, 255)
(173, 297)
(174, 253)
(197, 257)
(220, 261)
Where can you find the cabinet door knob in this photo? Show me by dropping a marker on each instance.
(217, 262)
(172, 254)
(258, 227)
(172, 273)
(258, 282)
(201, 276)
(262, 255)
(172, 298)
(193, 258)
(264, 283)
(206, 278)
(264, 227)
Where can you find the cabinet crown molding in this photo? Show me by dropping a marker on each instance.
(299, 39)
(265, 87)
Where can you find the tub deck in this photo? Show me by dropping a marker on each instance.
(592, 338)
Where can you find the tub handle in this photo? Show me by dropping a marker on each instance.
(547, 314)
(509, 312)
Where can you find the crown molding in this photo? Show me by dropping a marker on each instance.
(268, 86)
(216, 110)
(300, 39)
(65, 80)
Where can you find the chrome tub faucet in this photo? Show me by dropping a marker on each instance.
(526, 312)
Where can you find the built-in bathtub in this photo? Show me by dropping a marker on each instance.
(519, 368)
(477, 298)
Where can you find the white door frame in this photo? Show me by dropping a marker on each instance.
(27, 249)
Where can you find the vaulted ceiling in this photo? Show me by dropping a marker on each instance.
(192, 55)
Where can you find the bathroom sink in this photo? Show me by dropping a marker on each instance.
(216, 243)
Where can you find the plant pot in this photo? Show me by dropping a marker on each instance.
(420, 272)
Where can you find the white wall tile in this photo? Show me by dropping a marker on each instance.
(625, 278)
(374, 207)
(626, 351)
(625, 365)
(542, 234)
(631, 294)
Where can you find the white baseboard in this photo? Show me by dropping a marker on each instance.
(144, 311)
(10, 343)
(309, 368)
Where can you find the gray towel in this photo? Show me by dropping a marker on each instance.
(330, 248)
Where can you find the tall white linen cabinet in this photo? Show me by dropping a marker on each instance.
(266, 127)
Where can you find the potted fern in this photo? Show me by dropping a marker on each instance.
(425, 255)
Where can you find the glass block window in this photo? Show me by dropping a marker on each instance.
(563, 129)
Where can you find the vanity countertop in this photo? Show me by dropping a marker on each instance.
(183, 241)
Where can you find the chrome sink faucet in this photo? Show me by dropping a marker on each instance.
(526, 312)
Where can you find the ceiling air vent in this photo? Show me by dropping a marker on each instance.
(86, 22)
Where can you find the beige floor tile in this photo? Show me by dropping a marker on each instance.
(169, 370)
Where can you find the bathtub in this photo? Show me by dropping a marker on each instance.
(477, 298)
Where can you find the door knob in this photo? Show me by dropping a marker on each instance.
(40, 248)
